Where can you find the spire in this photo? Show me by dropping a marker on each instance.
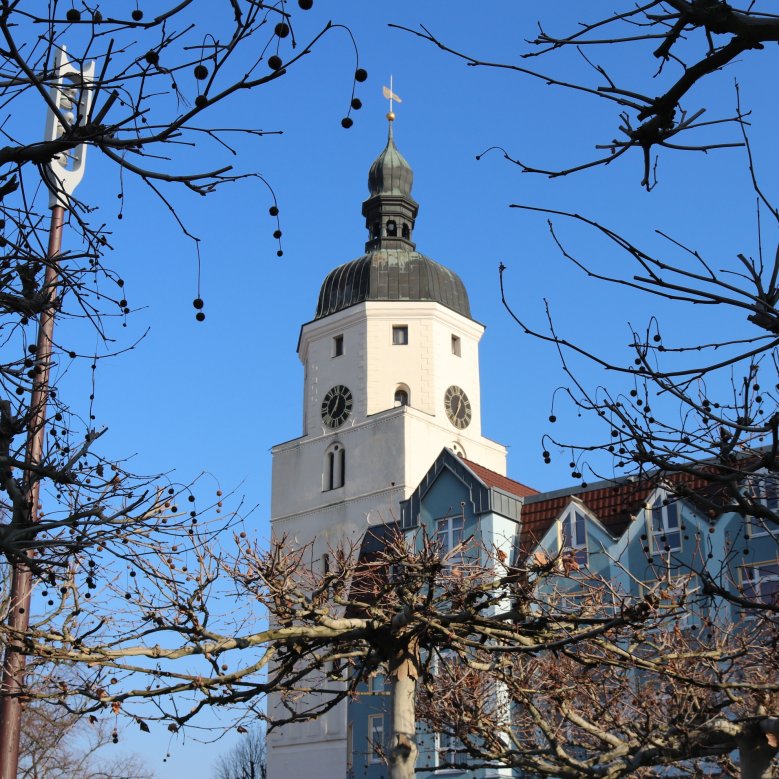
(390, 211)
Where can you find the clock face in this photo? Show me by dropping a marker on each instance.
(458, 407)
(336, 406)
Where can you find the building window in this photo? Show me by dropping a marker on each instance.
(392, 228)
(334, 472)
(376, 684)
(350, 748)
(456, 345)
(765, 491)
(405, 231)
(375, 737)
(671, 596)
(402, 395)
(449, 534)
(338, 346)
(400, 335)
(573, 537)
(446, 749)
(664, 525)
(760, 583)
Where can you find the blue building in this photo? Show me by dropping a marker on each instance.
(632, 535)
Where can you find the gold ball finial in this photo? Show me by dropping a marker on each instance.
(391, 116)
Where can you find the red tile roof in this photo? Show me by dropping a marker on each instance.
(615, 505)
(493, 479)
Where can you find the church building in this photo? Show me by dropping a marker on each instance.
(391, 379)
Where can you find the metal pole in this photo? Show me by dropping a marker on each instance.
(14, 661)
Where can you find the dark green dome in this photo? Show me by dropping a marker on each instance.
(391, 268)
(392, 274)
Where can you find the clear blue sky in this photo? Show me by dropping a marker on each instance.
(216, 396)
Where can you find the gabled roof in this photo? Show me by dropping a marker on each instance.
(489, 491)
(494, 479)
(615, 504)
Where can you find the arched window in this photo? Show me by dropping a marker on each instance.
(376, 232)
(334, 471)
(405, 232)
(402, 395)
(392, 228)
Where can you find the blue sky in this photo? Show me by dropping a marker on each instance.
(216, 396)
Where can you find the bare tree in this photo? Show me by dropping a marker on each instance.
(246, 760)
(139, 91)
(702, 407)
(59, 745)
(690, 40)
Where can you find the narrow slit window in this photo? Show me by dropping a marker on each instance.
(400, 335)
(338, 346)
(456, 345)
(334, 471)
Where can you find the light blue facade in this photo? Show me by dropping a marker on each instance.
(664, 540)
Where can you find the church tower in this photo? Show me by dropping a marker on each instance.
(391, 362)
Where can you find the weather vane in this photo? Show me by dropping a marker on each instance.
(391, 96)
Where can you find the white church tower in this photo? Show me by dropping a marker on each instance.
(391, 378)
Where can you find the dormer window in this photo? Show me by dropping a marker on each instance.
(573, 536)
(664, 524)
(763, 489)
(392, 228)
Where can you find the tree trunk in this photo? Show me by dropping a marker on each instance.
(402, 752)
(755, 756)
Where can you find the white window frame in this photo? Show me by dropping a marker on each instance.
(376, 683)
(659, 513)
(764, 488)
(570, 539)
(756, 575)
(446, 750)
(449, 533)
(375, 736)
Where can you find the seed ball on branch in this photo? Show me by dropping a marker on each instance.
(273, 211)
(346, 122)
(152, 57)
(201, 72)
(73, 15)
(201, 101)
(197, 303)
(360, 74)
(356, 104)
(282, 29)
(200, 316)
(306, 5)
(137, 15)
(274, 62)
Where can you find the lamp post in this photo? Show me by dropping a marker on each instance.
(71, 93)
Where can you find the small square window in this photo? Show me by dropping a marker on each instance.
(338, 346)
(400, 335)
(456, 345)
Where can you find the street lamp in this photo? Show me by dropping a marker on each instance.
(70, 97)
